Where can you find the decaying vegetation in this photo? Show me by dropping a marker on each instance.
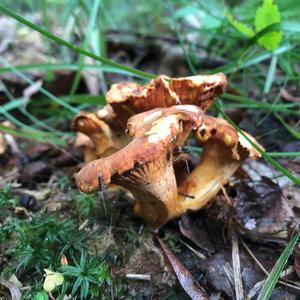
(189, 183)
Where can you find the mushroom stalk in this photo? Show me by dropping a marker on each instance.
(224, 150)
(216, 167)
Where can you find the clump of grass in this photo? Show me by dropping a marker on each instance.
(7, 201)
(172, 240)
(41, 242)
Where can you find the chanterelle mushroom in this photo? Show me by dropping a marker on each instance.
(224, 149)
(106, 127)
(145, 165)
(100, 139)
(201, 90)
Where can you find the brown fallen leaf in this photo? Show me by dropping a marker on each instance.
(262, 211)
(184, 276)
(197, 234)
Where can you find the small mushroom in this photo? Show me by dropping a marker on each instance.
(224, 149)
(96, 137)
(145, 165)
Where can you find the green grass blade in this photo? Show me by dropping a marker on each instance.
(270, 75)
(42, 90)
(291, 130)
(92, 20)
(12, 105)
(34, 134)
(284, 154)
(75, 48)
(72, 67)
(273, 277)
(268, 158)
(258, 58)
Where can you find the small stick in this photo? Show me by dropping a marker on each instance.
(236, 265)
(186, 195)
(102, 192)
(138, 276)
(198, 254)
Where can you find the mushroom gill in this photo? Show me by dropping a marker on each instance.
(224, 150)
(145, 165)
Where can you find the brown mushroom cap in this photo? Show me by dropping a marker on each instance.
(130, 98)
(145, 165)
(106, 128)
(103, 140)
(224, 149)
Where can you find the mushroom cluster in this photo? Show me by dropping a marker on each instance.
(135, 140)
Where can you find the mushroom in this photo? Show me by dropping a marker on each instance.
(96, 137)
(224, 149)
(145, 165)
(106, 128)
(129, 98)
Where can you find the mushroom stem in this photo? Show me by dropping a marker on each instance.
(153, 185)
(216, 167)
(224, 150)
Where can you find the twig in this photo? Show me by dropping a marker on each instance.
(139, 276)
(198, 254)
(102, 192)
(236, 265)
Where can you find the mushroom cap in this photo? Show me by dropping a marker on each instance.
(154, 133)
(103, 141)
(222, 132)
(130, 98)
(106, 127)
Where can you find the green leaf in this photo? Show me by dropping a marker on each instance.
(241, 27)
(266, 15)
(41, 296)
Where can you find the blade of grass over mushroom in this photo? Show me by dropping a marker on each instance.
(268, 158)
(274, 275)
(34, 134)
(199, 150)
(77, 49)
(221, 111)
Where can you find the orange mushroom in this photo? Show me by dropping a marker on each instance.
(145, 165)
(106, 127)
(224, 149)
(96, 136)
(200, 90)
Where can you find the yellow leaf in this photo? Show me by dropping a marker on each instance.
(52, 280)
